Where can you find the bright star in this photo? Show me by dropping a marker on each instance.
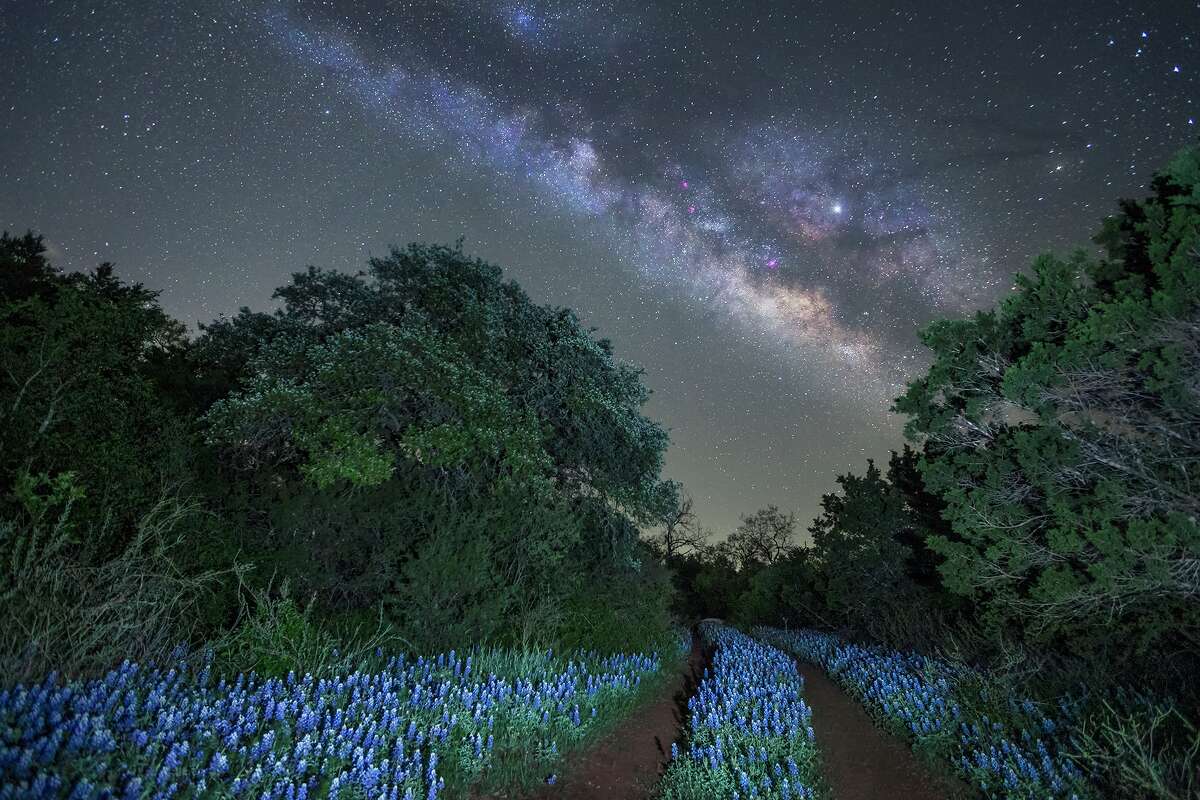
(837, 208)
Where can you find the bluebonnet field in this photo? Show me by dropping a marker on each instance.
(1014, 754)
(397, 728)
(750, 732)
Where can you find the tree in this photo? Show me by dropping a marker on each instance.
(926, 519)
(25, 272)
(875, 572)
(788, 593)
(84, 358)
(681, 533)
(1062, 431)
(389, 423)
(546, 366)
(762, 538)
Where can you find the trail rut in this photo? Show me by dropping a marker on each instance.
(628, 761)
(860, 761)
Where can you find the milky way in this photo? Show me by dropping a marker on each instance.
(758, 233)
(759, 203)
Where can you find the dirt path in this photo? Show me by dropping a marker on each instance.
(860, 761)
(627, 763)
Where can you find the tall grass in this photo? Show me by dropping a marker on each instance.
(1139, 748)
(66, 608)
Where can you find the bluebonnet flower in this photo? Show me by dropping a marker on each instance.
(747, 716)
(149, 732)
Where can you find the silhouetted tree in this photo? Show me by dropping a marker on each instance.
(762, 538)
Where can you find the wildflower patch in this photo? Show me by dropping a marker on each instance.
(750, 732)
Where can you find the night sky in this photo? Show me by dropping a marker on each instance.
(758, 202)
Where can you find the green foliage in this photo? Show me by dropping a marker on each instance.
(418, 447)
(458, 588)
(1062, 432)
(85, 357)
(788, 593)
(24, 271)
(431, 314)
(867, 568)
(875, 575)
(437, 444)
(709, 583)
(347, 407)
(621, 607)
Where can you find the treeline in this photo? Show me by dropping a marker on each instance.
(1042, 523)
(416, 456)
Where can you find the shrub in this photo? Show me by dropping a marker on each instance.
(1139, 748)
(65, 608)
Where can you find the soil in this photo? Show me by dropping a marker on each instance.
(860, 761)
(628, 761)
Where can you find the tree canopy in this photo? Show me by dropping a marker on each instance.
(430, 385)
(1062, 431)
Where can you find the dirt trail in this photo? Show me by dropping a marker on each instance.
(627, 763)
(860, 761)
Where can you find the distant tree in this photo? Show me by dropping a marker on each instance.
(680, 531)
(762, 538)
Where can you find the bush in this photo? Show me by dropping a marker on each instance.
(620, 610)
(275, 636)
(66, 609)
(1140, 748)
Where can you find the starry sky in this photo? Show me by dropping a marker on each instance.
(760, 203)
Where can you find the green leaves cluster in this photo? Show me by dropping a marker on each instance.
(344, 408)
(504, 438)
(1062, 430)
